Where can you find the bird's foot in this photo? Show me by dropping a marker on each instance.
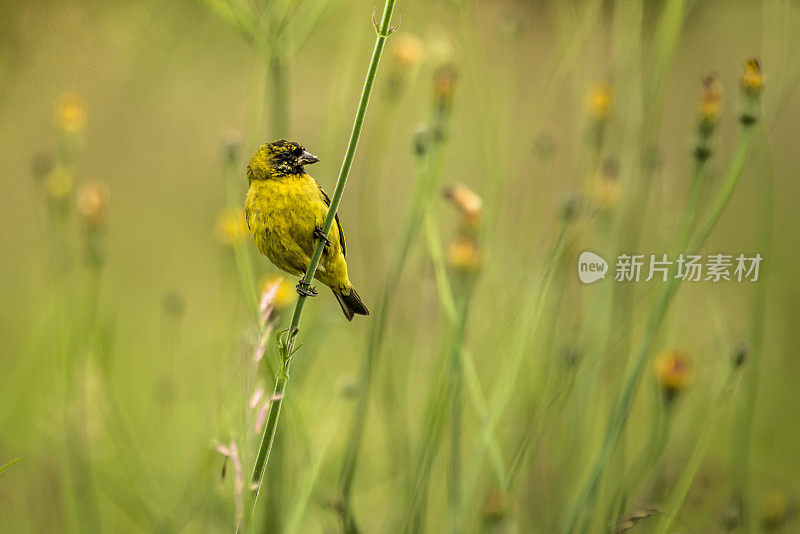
(320, 236)
(305, 290)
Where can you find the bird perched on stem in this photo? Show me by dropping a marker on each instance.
(285, 210)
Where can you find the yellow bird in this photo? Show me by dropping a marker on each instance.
(285, 210)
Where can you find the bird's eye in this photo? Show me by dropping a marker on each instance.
(297, 152)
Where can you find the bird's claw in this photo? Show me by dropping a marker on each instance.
(319, 235)
(305, 290)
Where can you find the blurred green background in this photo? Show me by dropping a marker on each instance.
(166, 85)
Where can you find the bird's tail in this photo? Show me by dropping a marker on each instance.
(351, 303)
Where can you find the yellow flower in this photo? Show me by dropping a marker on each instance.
(752, 79)
(774, 509)
(92, 202)
(284, 296)
(600, 101)
(230, 227)
(674, 371)
(70, 113)
(403, 62)
(407, 51)
(463, 255)
(58, 183)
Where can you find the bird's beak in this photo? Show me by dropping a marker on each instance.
(307, 158)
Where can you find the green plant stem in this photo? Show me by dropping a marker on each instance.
(280, 384)
(456, 379)
(429, 169)
(470, 373)
(743, 429)
(681, 490)
(585, 501)
(278, 74)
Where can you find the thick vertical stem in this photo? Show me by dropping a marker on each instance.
(287, 349)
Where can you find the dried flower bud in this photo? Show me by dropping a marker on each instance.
(732, 515)
(495, 507)
(70, 113)
(92, 203)
(444, 82)
(674, 372)
(569, 207)
(708, 116)
(467, 202)
(710, 102)
(230, 227)
(740, 354)
(422, 139)
(600, 101)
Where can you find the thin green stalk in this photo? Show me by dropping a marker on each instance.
(743, 429)
(429, 169)
(470, 373)
(507, 377)
(312, 475)
(9, 465)
(681, 490)
(585, 500)
(456, 379)
(279, 93)
(287, 348)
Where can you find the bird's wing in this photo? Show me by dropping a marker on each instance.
(327, 200)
